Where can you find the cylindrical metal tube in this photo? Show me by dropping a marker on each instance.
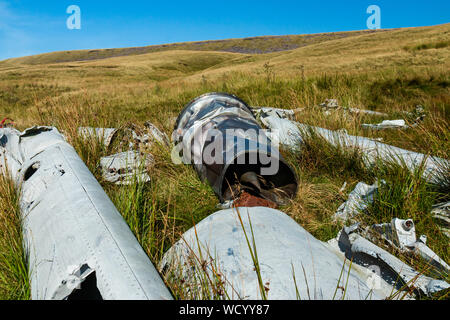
(77, 243)
(220, 136)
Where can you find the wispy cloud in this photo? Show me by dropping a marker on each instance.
(14, 40)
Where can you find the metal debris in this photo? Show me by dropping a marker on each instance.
(76, 242)
(132, 133)
(282, 113)
(290, 133)
(402, 234)
(358, 201)
(393, 271)
(368, 112)
(225, 126)
(126, 167)
(131, 163)
(285, 252)
(387, 124)
(105, 135)
(330, 104)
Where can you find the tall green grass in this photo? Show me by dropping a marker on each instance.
(14, 282)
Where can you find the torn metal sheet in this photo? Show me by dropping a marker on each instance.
(134, 134)
(284, 131)
(282, 113)
(126, 167)
(122, 168)
(387, 124)
(285, 252)
(156, 134)
(332, 104)
(76, 242)
(392, 270)
(290, 133)
(220, 136)
(105, 135)
(358, 201)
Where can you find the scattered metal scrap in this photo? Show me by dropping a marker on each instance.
(358, 201)
(77, 244)
(352, 242)
(402, 234)
(282, 113)
(387, 124)
(332, 104)
(415, 116)
(126, 167)
(290, 134)
(133, 160)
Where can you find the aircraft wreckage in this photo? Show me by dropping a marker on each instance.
(79, 246)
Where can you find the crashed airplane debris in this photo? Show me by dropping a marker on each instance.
(358, 201)
(290, 134)
(125, 167)
(402, 234)
(78, 246)
(220, 136)
(351, 242)
(122, 168)
(387, 124)
(332, 104)
(285, 252)
(132, 133)
(292, 263)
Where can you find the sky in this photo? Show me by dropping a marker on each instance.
(29, 27)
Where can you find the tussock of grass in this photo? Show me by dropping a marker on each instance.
(14, 284)
(429, 45)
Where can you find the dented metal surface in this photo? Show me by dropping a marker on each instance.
(225, 126)
(285, 251)
(77, 243)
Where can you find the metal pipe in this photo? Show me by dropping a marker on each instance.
(220, 136)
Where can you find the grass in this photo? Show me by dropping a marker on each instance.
(113, 88)
(14, 283)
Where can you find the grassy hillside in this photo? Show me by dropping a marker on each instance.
(390, 71)
(253, 45)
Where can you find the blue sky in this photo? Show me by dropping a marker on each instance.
(30, 27)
